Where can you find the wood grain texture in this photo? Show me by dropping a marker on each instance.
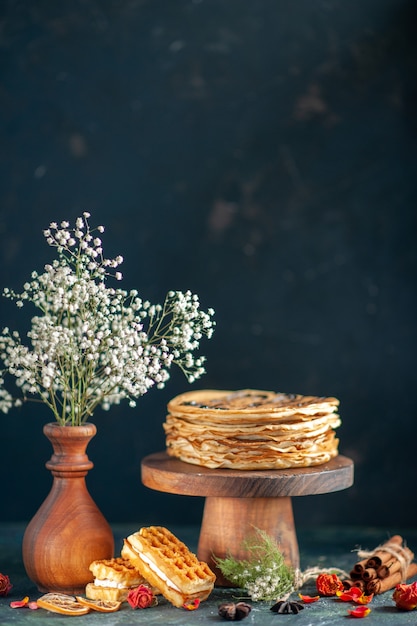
(237, 502)
(164, 473)
(68, 532)
(228, 522)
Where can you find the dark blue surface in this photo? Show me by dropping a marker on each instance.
(326, 547)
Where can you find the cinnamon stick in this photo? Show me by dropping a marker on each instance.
(369, 573)
(395, 565)
(381, 556)
(384, 571)
(377, 585)
(359, 567)
(348, 583)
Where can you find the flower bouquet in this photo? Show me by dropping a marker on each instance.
(90, 345)
(93, 344)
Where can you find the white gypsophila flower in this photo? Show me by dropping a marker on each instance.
(92, 345)
(266, 586)
(6, 400)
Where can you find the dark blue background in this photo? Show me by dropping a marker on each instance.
(261, 154)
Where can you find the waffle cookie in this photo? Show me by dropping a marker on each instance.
(251, 429)
(112, 579)
(167, 564)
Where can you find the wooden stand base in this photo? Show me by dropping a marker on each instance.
(237, 502)
(227, 522)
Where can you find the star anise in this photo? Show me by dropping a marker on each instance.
(234, 612)
(287, 606)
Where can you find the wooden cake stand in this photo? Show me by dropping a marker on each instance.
(237, 502)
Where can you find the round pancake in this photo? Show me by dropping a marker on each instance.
(251, 429)
(250, 402)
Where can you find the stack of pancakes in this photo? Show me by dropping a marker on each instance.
(251, 429)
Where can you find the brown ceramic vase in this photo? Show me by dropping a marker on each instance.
(68, 532)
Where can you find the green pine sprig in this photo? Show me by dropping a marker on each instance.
(265, 575)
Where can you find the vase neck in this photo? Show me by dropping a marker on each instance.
(69, 444)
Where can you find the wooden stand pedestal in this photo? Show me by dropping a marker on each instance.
(237, 502)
